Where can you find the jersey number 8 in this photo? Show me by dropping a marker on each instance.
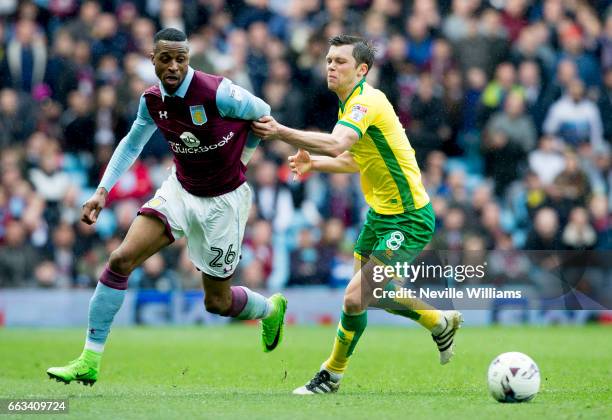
(395, 241)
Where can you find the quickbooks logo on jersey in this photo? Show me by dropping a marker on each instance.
(193, 144)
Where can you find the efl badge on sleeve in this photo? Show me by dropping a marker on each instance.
(198, 115)
(155, 202)
(358, 112)
(235, 93)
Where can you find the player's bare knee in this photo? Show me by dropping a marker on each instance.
(353, 303)
(120, 262)
(218, 304)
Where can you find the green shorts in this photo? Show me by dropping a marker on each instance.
(395, 237)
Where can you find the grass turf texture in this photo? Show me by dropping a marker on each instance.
(221, 372)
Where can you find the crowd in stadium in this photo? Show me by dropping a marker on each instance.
(508, 104)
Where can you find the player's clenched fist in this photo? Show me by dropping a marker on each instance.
(92, 207)
(266, 128)
(300, 163)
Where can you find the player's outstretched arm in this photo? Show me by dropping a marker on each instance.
(302, 162)
(334, 144)
(123, 157)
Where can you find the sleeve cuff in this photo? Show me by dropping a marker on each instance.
(354, 127)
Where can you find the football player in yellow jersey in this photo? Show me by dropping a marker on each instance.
(369, 138)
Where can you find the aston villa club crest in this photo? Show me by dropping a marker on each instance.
(198, 115)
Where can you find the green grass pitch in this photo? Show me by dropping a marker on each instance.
(221, 372)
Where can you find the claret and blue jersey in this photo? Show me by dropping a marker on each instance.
(207, 125)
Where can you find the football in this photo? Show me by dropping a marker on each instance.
(513, 377)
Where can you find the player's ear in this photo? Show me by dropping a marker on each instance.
(152, 56)
(363, 69)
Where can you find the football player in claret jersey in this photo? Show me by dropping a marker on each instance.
(369, 138)
(206, 120)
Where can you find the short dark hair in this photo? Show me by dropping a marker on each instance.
(170, 34)
(363, 51)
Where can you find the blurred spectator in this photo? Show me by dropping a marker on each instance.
(433, 173)
(513, 17)
(125, 212)
(16, 122)
(545, 234)
(530, 79)
(496, 91)
(188, 274)
(456, 26)
(535, 194)
(155, 275)
(502, 158)
(475, 49)
(342, 268)
(547, 161)
(135, 184)
(497, 29)
(16, 256)
(256, 60)
(171, 15)
(606, 43)
(533, 46)
(605, 100)
(286, 101)
(450, 237)
(578, 234)
(111, 126)
(273, 200)
(476, 83)
(455, 188)
(481, 197)
(575, 118)
(330, 246)
(81, 27)
(565, 73)
(419, 40)
(571, 186)
(514, 123)
(85, 239)
(85, 68)
(45, 275)
(304, 262)
(50, 182)
(258, 255)
(427, 131)
(341, 200)
(572, 44)
(24, 65)
(78, 122)
(452, 100)
(107, 39)
(491, 222)
(393, 69)
(337, 10)
(61, 254)
(48, 120)
(61, 73)
(108, 71)
(602, 221)
(506, 264)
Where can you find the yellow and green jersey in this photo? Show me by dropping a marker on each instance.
(390, 176)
